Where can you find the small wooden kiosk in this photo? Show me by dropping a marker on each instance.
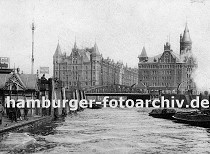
(19, 86)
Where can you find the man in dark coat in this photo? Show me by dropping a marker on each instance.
(25, 112)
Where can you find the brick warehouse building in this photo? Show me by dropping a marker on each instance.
(169, 71)
(86, 68)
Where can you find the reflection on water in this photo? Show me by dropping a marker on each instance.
(112, 131)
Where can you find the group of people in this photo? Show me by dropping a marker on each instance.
(13, 113)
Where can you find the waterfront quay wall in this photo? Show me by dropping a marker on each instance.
(30, 124)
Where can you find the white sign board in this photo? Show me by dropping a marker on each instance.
(4, 62)
(44, 70)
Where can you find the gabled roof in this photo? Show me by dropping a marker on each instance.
(141, 85)
(85, 55)
(174, 55)
(30, 80)
(151, 59)
(26, 81)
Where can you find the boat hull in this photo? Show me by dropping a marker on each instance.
(193, 119)
(163, 116)
(162, 113)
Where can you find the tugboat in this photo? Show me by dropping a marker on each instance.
(162, 113)
(197, 118)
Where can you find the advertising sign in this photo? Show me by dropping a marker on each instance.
(44, 70)
(4, 62)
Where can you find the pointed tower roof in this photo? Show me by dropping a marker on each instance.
(58, 50)
(186, 35)
(75, 43)
(95, 49)
(143, 53)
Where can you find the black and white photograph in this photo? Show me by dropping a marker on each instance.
(104, 76)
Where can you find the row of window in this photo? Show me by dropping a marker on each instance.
(75, 83)
(167, 60)
(167, 72)
(165, 84)
(87, 67)
(154, 72)
(76, 78)
(166, 77)
(74, 67)
(155, 77)
(160, 66)
(161, 72)
(189, 69)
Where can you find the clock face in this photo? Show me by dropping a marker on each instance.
(166, 54)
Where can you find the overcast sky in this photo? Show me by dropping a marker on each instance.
(120, 27)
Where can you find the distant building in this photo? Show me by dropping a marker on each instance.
(169, 71)
(86, 68)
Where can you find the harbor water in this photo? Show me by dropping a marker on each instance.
(109, 130)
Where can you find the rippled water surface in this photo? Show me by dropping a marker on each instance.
(111, 131)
